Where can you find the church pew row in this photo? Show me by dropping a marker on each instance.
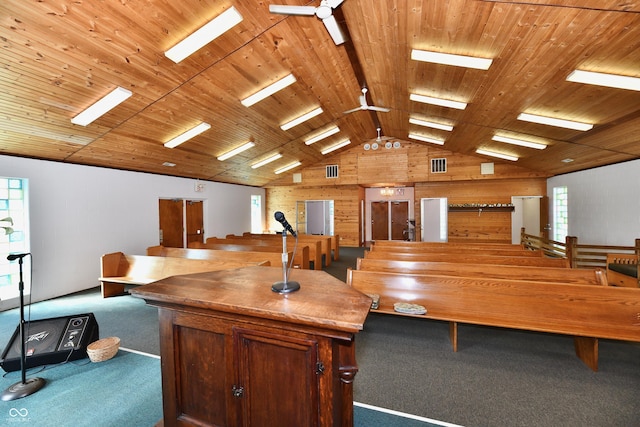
(469, 244)
(118, 269)
(472, 258)
(273, 258)
(315, 251)
(328, 243)
(417, 248)
(300, 257)
(516, 272)
(586, 312)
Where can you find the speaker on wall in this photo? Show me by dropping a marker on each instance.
(50, 341)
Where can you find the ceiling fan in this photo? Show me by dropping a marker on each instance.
(323, 12)
(365, 106)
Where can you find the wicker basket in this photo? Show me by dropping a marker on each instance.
(104, 349)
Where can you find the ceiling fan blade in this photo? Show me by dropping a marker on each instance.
(381, 109)
(292, 10)
(335, 3)
(354, 110)
(334, 30)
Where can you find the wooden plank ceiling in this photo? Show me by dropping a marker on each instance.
(58, 57)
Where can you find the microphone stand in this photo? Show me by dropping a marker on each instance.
(285, 286)
(24, 387)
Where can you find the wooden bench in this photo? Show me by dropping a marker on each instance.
(313, 248)
(471, 244)
(471, 258)
(118, 269)
(300, 258)
(623, 269)
(333, 248)
(587, 312)
(273, 258)
(516, 272)
(325, 243)
(428, 249)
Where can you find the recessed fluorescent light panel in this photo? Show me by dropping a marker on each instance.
(266, 161)
(555, 122)
(323, 135)
(269, 90)
(451, 59)
(335, 147)
(215, 28)
(303, 118)
(430, 124)
(108, 102)
(187, 135)
(438, 101)
(603, 79)
(498, 155)
(240, 149)
(520, 142)
(288, 167)
(426, 139)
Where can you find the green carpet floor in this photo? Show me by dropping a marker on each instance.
(123, 391)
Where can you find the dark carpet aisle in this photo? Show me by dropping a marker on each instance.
(498, 377)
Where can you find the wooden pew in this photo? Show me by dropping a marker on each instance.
(118, 269)
(480, 245)
(516, 272)
(325, 243)
(273, 258)
(623, 270)
(300, 258)
(585, 311)
(471, 259)
(315, 254)
(428, 249)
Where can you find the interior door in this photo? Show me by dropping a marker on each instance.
(195, 224)
(315, 217)
(545, 220)
(379, 221)
(171, 223)
(399, 220)
(434, 219)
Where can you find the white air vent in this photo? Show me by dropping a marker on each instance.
(332, 171)
(438, 165)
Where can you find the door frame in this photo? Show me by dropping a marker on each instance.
(185, 201)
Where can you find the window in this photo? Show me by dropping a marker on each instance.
(14, 214)
(560, 214)
(256, 214)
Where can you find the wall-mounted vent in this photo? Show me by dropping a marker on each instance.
(332, 171)
(438, 165)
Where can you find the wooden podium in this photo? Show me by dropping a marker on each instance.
(235, 353)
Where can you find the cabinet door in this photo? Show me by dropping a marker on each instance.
(278, 379)
(196, 386)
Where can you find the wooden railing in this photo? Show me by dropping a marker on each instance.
(579, 255)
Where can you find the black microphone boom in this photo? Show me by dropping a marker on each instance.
(282, 220)
(14, 257)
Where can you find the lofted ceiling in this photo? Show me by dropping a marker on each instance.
(58, 57)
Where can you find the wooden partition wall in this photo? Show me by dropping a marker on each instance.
(462, 183)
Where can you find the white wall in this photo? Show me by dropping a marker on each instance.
(78, 213)
(604, 203)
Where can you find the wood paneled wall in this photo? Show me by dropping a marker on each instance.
(409, 165)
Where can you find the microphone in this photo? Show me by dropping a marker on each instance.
(281, 219)
(14, 257)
